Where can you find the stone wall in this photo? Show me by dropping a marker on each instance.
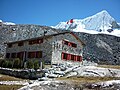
(27, 74)
(59, 47)
(45, 47)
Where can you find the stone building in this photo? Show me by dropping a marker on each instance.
(55, 48)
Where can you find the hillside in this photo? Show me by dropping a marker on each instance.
(101, 48)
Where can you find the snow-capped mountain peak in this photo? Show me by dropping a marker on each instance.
(100, 22)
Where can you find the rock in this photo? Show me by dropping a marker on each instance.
(52, 76)
(43, 79)
(59, 72)
(72, 74)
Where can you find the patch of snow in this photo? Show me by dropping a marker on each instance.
(14, 83)
(8, 23)
(37, 83)
(106, 83)
(0, 20)
(96, 71)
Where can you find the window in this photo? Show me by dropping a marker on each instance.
(66, 42)
(20, 44)
(74, 45)
(73, 57)
(36, 54)
(13, 55)
(66, 56)
(37, 41)
(79, 58)
(39, 54)
(20, 55)
(9, 45)
(69, 43)
(31, 55)
(7, 55)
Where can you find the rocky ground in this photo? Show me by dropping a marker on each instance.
(87, 69)
(69, 77)
(60, 85)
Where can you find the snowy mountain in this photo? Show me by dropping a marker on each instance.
(100, 22)
(6, 23)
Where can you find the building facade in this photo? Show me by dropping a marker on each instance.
(54, 48)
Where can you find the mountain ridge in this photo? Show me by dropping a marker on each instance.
(100, 22)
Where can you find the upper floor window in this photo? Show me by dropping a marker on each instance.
(9, 45)
(37, 41)
(20, 44)
(69, 43)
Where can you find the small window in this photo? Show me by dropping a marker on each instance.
(7, 55)
(20, 44)
(31, 54)
(39, 54)
(79, 58)
(72, 57)
(38, 41)
(13, 55)
(64, 56)
(73, 45)
(66, 42)
(69, 43)
(9, 45)
(20, 55)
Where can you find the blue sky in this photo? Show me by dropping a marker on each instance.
(51, 12)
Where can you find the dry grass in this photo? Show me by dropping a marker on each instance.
(110, 66)
(86, 79)
(8, 78)
(10, 87)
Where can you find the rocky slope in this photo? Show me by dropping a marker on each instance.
(101, 48)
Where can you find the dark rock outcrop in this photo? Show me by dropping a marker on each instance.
(101, 48)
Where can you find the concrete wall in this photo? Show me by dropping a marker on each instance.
(27, 74)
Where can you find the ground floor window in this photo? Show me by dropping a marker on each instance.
(79, 58)
(66, 56)
(21, 55)
(7, 55)
(13, 55)
(35, 54)
(39, 54)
